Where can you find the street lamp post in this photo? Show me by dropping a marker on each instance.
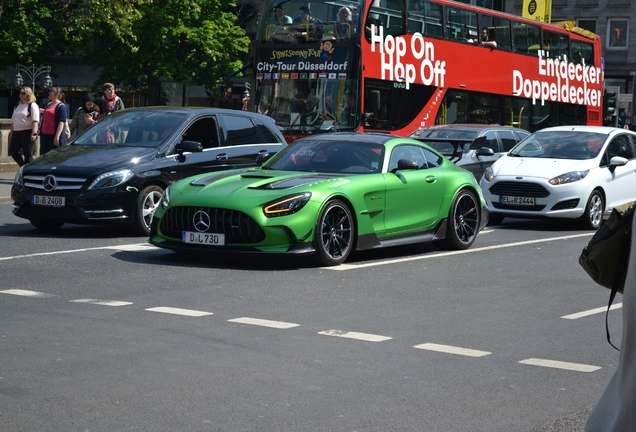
(33, 73)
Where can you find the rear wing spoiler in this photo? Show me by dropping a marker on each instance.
(457, 144)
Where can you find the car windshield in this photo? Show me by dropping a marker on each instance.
(132, 129)
(438, 134)
(311, 155)
(560, 145)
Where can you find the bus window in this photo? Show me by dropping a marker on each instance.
(389, 14)
(556, 45)
(461, 25)
(582, 52)
(527, 38)
(425, 18)
(393, 113)
(499, 30)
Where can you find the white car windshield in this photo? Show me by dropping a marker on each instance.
(560, 145)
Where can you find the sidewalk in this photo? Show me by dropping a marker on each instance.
(6, 181)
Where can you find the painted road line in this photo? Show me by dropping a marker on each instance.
(102, 302)
(592, 311)
(343, 267)
(452, 350)
(177, 311)
(577, 367)
(264, 323)
(128, 247)
(355, 335)
(26, 293)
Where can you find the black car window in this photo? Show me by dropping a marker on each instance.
(266, 133)
(432, 160)
(240, 130)
(507, 139)
(205, 131)
(621, 146)
(520, 135)
(407, 152)
(491, 141)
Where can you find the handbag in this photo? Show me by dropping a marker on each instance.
(606, 256)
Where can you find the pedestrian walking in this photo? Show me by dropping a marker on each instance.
(24, 127)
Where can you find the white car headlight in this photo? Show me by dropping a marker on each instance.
(489, 175)
(165, 199)
(111, 179)
(569, 177)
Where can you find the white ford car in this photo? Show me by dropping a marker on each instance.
(569, 172)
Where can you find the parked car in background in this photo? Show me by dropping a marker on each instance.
(467, 144)
(117, 170)
(326, 195)
(569, 172)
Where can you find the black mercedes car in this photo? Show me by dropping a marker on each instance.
(116, 171)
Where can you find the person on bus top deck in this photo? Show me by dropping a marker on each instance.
(279, 16)
(465, 35)
(487, 39)
(305, 16)
(344, 27)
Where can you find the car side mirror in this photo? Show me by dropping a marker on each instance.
(187, 147)
(407, 164)
(617, 161)
(262, 157)
(485, 151)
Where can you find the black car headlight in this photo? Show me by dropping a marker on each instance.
(286, 205)
(569, 177)
(19, 180)
(111, 179)
(165, 199)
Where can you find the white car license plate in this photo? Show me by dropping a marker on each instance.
(519, 201)
(212, 239)
(49, 201)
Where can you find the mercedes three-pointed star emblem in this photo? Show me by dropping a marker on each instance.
(201, 221)
(50, 183)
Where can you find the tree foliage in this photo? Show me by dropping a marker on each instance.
(135, 43)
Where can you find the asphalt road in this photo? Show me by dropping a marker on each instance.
(103, 332)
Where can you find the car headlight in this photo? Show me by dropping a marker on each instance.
(286, 205)
(165, 199)
(489, 174)
(569, 177)
(111, 179)
(19, 180)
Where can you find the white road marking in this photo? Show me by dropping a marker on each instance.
(592, 312)
(452, 350)
(177, 311)
(263, 323)
(355, 335)
(26, 293)
(102, 302)
(577, 367)
(344, 267)
(128, 247)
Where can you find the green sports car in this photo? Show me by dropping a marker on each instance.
(327, 196)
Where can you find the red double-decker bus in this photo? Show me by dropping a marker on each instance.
(397, 65)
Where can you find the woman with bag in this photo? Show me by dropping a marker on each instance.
(52, 134)
(80, 122)
(24, 127)
(616, 409)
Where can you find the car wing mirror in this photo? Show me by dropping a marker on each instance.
(187, 147)
(406, 164)
(485, 151)
(617, 161)
(262, 156)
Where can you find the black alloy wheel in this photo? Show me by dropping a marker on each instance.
(463, 221)
(334, 234)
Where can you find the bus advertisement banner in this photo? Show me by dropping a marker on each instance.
(323, 62)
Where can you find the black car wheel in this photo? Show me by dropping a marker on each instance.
(463, 221)
(594, 210)
(46, 225)
(334, 234)
(147, 202)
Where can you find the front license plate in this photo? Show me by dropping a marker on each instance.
(49, 201)
(212, 239)
(519, 201)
